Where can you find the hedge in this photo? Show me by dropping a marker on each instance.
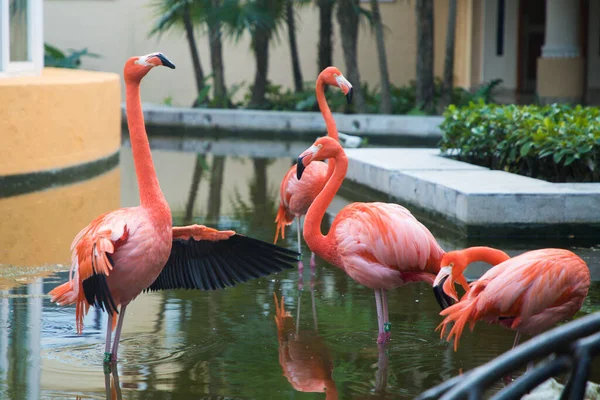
(558, 142)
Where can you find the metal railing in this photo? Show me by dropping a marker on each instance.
(567, 348)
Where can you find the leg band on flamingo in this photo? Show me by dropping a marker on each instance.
(387, 327)
(107, 357)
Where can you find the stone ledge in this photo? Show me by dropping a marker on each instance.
(378, 128)
(469, 195)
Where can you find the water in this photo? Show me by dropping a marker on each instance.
(224, 344)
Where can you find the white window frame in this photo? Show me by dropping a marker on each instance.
(35, 34)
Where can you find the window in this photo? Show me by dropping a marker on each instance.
(21, 41)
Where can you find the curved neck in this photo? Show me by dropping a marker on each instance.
(325, 111)
(150, 193)
(486, 254)
(316, 241)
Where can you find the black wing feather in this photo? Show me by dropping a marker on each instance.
(211, 265)
(96, 289)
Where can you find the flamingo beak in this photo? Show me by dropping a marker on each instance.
(165, 61)
(346, 87)
(300, 167)
(442, 298)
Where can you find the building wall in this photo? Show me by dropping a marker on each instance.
(119, 29)
(61, 118)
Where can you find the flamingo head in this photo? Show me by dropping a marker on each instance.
(453, 264)
(137, 67)
(325, 147)
(332, 76)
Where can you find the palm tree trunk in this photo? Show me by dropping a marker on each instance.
(386, 97)
(291, 25)
(425, 84)
(449, 56)
(325, 33)
(348, 18)
(216, 58)
(260, 46)
(189, 32)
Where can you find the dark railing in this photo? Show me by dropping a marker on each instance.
(567, 348)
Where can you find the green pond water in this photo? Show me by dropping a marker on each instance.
(225, 344)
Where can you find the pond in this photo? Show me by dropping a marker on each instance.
(222, 344)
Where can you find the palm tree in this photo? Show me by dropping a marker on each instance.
(449, 56)
(213, 21)
(348, 16)
(424, 82)
(177, 14)
(386, 96)
(260, 18)
(290, 19)
(325, 57)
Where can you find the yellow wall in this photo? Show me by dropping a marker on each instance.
(129, 22)
(37, 228)
(64, 117)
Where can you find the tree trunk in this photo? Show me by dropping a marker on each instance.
(325, 33)
(189, 32)
(216, 59)
(291, 25)
(447, 86)
(214, 193)
(260, 46)
(198, 171)
(385, 106)
(348, 18)
(425, 83)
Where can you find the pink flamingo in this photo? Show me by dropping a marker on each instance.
(296, 196)
(130, 250)
(528, 293)
(380, 245)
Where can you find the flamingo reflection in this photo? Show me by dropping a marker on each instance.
(111, 384)
(303, 355)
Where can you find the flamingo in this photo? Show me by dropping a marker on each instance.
(380, 245)
(294, 196)
(528, 293)
(303, 356)
(130, 250)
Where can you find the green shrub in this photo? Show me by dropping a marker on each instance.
(557, 142)
(54, 57)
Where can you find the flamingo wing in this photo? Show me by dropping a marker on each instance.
(376, 240)
(91, 263)
(207, 259)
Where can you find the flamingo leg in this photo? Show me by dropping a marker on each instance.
(108, 335)
(115, 347)
(313, 263)
(314, 307)
(298, 316)
(517, 339)
(387, 326)
(381, 335)
(508, 379)
(300, 264)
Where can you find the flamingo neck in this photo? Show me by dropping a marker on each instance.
(149, 189)
(325, 111)
(486, 254)
(316, 241)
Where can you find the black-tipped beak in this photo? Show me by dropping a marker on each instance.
(299, 168)
(165, 61)
(349, 96)
(442, 298)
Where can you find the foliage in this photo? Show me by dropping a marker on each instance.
(559, 143)
(205, 102)
(54, 57)
(403, 97)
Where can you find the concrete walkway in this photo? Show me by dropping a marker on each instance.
(402, 130)
(481, 201)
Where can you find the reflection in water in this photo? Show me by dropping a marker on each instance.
(303, 355)
(37, 228)
(190, 344)
(111, 383)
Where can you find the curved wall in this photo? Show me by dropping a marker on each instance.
(62, 118)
